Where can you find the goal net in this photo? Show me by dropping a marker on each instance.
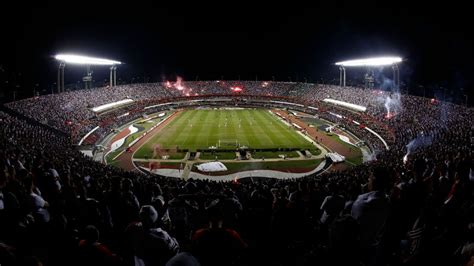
(227, 143)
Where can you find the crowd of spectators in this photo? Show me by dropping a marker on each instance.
(71, 111)
(58, 207)
(60, 111)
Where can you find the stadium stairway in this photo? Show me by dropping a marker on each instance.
(187, 170)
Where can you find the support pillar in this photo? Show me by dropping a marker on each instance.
(62, 65)
(342, 76)
(111, 77)
(396, 76)
(88, 78)
(115, 76)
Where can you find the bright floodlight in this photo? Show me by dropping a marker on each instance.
(375, 61)
(85, 60)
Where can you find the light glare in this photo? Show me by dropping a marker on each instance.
(375, 61)
(85, 60)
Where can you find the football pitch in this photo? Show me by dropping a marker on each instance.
(225, 129)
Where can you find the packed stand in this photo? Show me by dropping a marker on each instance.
(57, 207)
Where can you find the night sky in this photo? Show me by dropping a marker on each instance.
(230, 40)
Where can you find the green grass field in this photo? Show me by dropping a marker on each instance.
(220, 156)
(200, 129)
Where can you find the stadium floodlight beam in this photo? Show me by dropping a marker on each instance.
(374, 61)
(87, 61)
(370, 62)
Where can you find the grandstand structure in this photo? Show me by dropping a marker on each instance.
(419, 175)
(360, 113)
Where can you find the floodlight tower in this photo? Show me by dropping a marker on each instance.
(370, 63)
(87, 78)
(369, 78)
(88, 62)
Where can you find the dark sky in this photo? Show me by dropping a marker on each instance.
(232, 40)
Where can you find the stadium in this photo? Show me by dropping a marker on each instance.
(236, 172)
(161, 133)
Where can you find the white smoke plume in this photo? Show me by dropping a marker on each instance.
(178, 84)
(418, 142)
(393, 104)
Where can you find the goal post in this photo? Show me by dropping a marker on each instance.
(226, 143)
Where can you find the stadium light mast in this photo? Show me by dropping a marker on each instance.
(370, 63)
(62, 65)
(87, 78)
(342, 76)
(113, 76)
(396, 75)
(88, 62)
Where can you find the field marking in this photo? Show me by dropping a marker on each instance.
(292, 133)
(162, 138)
(288, 132)
(146, 142)
(186, 115)
(268, 129)
(285, 131)
(258, 129)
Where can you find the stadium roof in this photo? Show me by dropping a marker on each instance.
(85, 60)
(374, 61)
